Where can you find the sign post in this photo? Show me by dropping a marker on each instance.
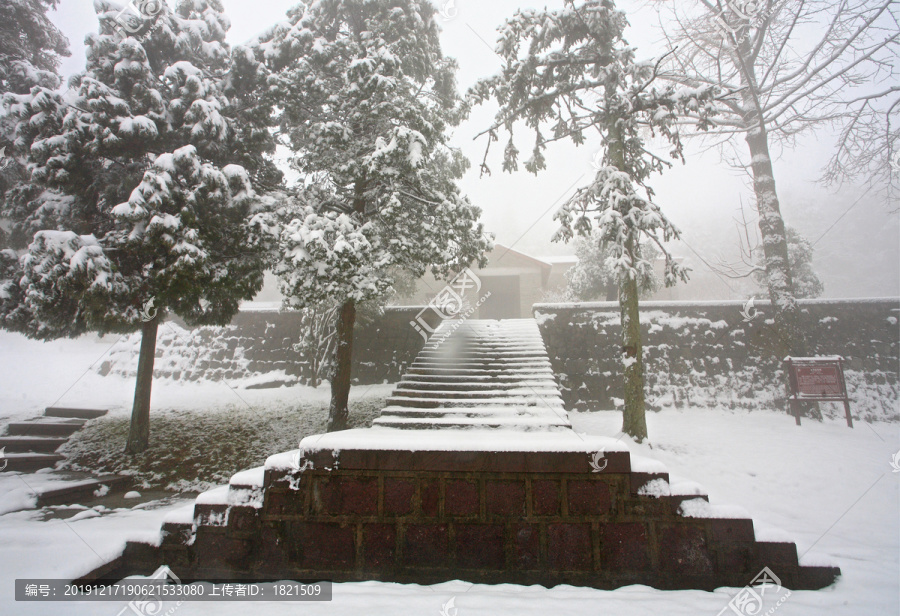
(817, 379)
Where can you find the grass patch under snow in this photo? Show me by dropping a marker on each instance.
(191, 451)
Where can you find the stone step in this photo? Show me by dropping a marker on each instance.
(44, 427)
(470, 411)
(72, 413)
(536, 401)
(488, 379)
(407, 385)
(443, 358)
(31, 443)
(505, 366)
(75, 491)
(482, 371)
(443, 423)
(29, 462)
(480, 352)
(517, 393)
(524, 344)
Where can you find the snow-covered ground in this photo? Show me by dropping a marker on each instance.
(830, 488)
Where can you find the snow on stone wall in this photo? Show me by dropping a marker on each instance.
(708, 354)
(258, 349)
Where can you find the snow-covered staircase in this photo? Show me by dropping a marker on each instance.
(31, 444)
(479, 374)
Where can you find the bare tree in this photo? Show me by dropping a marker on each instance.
(790, 66)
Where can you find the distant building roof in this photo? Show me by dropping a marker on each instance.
(560, 259)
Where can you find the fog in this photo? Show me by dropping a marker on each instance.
(856, 238)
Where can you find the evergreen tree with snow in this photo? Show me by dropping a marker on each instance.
(570, 71)
(804, 280)
(30, 51)
(150, 170)
(593, 277)
(366, 100)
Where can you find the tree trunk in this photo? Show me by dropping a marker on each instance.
(343, 362)
(790, 340)
(139, 433)
(634, 421)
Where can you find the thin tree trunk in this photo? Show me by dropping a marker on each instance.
(634, 422)
(778, 270)
(771, 225)
(139, 433)
(343, 362)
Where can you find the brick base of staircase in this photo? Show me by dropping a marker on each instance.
(484, 517)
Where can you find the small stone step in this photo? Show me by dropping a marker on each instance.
(31, 443)
(44, 427)
(487, 359)
(473, 386)
(75, 491)
(548, 401)
(72, 413)
(510, 394)
(476, 372)
(486, 367)
(524, 345)
(29, 462)
(482, 353)
(491, 380)
(502, 411)
(441, 423)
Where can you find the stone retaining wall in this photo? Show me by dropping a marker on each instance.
(258, 347)
(707, 354)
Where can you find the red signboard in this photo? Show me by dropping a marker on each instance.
(821, 380)
(818, 379)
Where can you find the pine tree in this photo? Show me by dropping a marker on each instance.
(366, 101)
(572, 69)
(593, 277)
(155, 158)
(30, 51)
(805, 281)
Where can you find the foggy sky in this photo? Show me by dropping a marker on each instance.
(858, 257)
